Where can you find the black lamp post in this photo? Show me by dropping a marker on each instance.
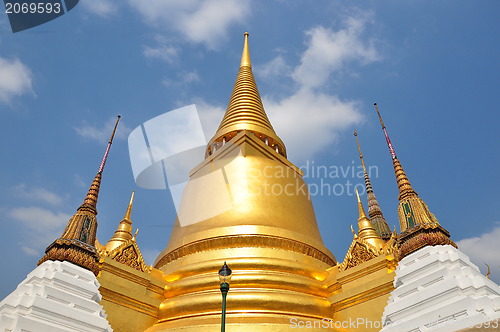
(225, 277)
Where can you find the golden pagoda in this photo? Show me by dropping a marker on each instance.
(268, 235)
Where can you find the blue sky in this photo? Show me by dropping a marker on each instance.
(433, 67)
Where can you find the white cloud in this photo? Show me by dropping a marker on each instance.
(30, 251)
(38, 194)
(101, 8)
(79, 181)
(329, 51)
(164, 52)
(483, 250)
(41, 227)
(39, 219)
(15, 79)
(210, 117)
(200, 21)
(103, 133)
(274, 68)
(182, 79)
(308, 121)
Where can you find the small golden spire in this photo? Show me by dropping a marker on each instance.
(365, 227)
(488, 272)
(245, 56)
(129, 208)
(124, 231)
(245, 111)
(361, 210)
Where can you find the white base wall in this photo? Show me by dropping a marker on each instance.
(438, 288)
(55, 297)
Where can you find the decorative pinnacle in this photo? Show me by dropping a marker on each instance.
(365, 227)
(90, 201)
(362, 214)
(360, 153)
(404, 185)
(388, 140)
(105, 157)
(245, 56)
(374, 212)
(124, 231)
(129, 208)
(379, 116)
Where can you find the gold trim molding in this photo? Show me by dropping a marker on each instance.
(239, 241)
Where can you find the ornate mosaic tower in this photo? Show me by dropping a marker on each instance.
(76, 244)
(419, 227)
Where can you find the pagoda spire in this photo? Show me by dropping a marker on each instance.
(124, 231)
(404, 184)
(77, 243)
(245, 110)
(374, 211)
(419, 227)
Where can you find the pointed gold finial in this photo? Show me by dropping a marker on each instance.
(488, 272)
(124, 231)
(135, 234)
(361, 210)
(245, 56)
(129, 208)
